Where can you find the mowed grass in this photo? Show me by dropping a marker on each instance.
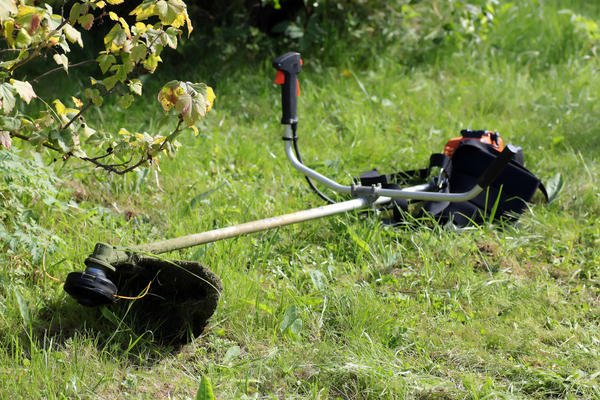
(342, 307)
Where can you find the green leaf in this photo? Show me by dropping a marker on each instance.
(64, 139)
(7, 97)
(291, 321)
(86, 21)
(23, 309)
(115, 38)
(24, 90)
(125, 101)
(9, 123)
(170, 37)
(110, 82)
(192, 101)
(232, 352)
(105, 61)
(76, 11)
(9, 64)
(554, 186)
(358, 241)
(318, 279)
(94, 96)
(296, 327)
(172, 12)
(110, 316)
(205, 391)
(123, 70)
(162, 8)
(138, 53)
(135, 86)
(23, 39)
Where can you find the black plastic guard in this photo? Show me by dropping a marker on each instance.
(181, 298)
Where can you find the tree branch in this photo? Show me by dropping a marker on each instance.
(114, 168)
(62, 68)
(27, 139)
(81, 111)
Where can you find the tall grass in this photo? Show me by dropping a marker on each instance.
(345, 307)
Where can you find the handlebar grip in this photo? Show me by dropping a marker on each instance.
(290, 65)
(497, 166)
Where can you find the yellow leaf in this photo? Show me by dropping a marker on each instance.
(210, 98)
(9, 27)
(143, 11)
(62, 110)
(189, 26)
(125, 27)
(159, 139)
(152, 62)
(78, 103)
(113, 15)
(100, 4)
(59, 107)
(124, 132)
(114, 2)
(179, 20)
(140, 28)
(26, 10)
(195, 129)
(167, 96)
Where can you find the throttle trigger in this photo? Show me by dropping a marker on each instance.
(279, 77)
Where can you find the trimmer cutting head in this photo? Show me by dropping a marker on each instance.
(172, 300)
(91, 287)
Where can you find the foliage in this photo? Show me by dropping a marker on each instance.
(418, 31)
(131, 50)
(205, 391)
(25, 184)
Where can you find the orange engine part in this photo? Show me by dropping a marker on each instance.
(487, 137)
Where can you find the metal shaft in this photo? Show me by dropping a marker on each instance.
(255, 226)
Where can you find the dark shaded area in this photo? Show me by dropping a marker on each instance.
(262, 15)
(176, 298)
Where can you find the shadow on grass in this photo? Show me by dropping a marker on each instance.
(112, 331)
(164, 305)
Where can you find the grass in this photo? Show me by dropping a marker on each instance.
(417, 312)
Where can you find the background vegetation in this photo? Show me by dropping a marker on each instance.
(342, 307)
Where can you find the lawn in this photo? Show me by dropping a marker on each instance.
(342, 307)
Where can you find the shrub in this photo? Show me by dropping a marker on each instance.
(132, 47)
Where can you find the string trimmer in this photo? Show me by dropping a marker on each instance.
(176, 298)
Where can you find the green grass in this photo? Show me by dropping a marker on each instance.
(418, 312)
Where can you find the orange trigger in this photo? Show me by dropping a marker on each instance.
(279, 77)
